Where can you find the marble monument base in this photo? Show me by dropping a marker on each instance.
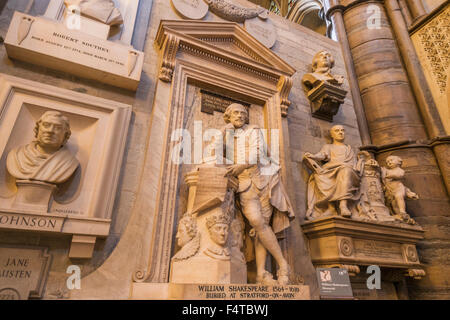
(206, 270)
(178, 291)
(33, 195)
(345, 243)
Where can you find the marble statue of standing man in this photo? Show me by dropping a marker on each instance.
(261, 193)
(46, 159)
(337, 181)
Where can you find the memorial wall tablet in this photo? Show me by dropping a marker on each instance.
(77, 44)
(51, 140)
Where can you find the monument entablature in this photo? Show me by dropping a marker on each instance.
(228, 46)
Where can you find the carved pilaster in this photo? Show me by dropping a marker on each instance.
(170, 50)
(284, 88)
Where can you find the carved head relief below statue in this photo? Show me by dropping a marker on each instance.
(45, 162)
(187, 229)
(218, 226)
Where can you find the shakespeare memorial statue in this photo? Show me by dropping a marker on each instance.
(261, 195)
(44, 163)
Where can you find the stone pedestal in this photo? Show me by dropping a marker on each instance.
(350, 244)
(33, 195)
(325, 100)
(208, 271)
(175, 291)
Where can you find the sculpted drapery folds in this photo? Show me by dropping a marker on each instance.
(335, 182)
(261, 192)
(46, 159)
(102, 10)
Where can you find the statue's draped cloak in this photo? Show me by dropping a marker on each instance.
(28, 163)
(338, 180)
(260, 178)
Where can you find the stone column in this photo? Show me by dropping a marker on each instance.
(338, 23)
(396, 127)
(425, 102)
(416, 9)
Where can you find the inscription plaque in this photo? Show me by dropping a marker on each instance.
(51, 44)
(215, 102)
(23, 272)
(378, 249)
(240, 292)
(334, 283)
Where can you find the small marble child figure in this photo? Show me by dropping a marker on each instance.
(395, 190)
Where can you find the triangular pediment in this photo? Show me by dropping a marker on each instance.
(224, 38)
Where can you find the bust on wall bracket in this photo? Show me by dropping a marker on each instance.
(42, 164)
(322, 88)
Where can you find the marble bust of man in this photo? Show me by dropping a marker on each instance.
(102, 10)
(322, 64)
(337, 181)
(46, 159)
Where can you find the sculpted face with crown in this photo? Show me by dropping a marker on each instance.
(218, 227)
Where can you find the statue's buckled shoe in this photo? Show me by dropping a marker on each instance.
(266, 279)
(283, 276)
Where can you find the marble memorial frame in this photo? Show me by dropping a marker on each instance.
(87, 213)
(220, 56)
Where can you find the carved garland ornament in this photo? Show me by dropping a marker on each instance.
(233, 12)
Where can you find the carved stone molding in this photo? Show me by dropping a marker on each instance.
(242, 52)
(171, 46)
(339, 242)
(284, 87)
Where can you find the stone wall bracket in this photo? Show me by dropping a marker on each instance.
(325, 100)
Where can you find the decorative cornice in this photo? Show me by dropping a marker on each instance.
(198, 38)
(192, 33)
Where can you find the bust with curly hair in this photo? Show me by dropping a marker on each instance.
(322, 64)
(46, 159)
